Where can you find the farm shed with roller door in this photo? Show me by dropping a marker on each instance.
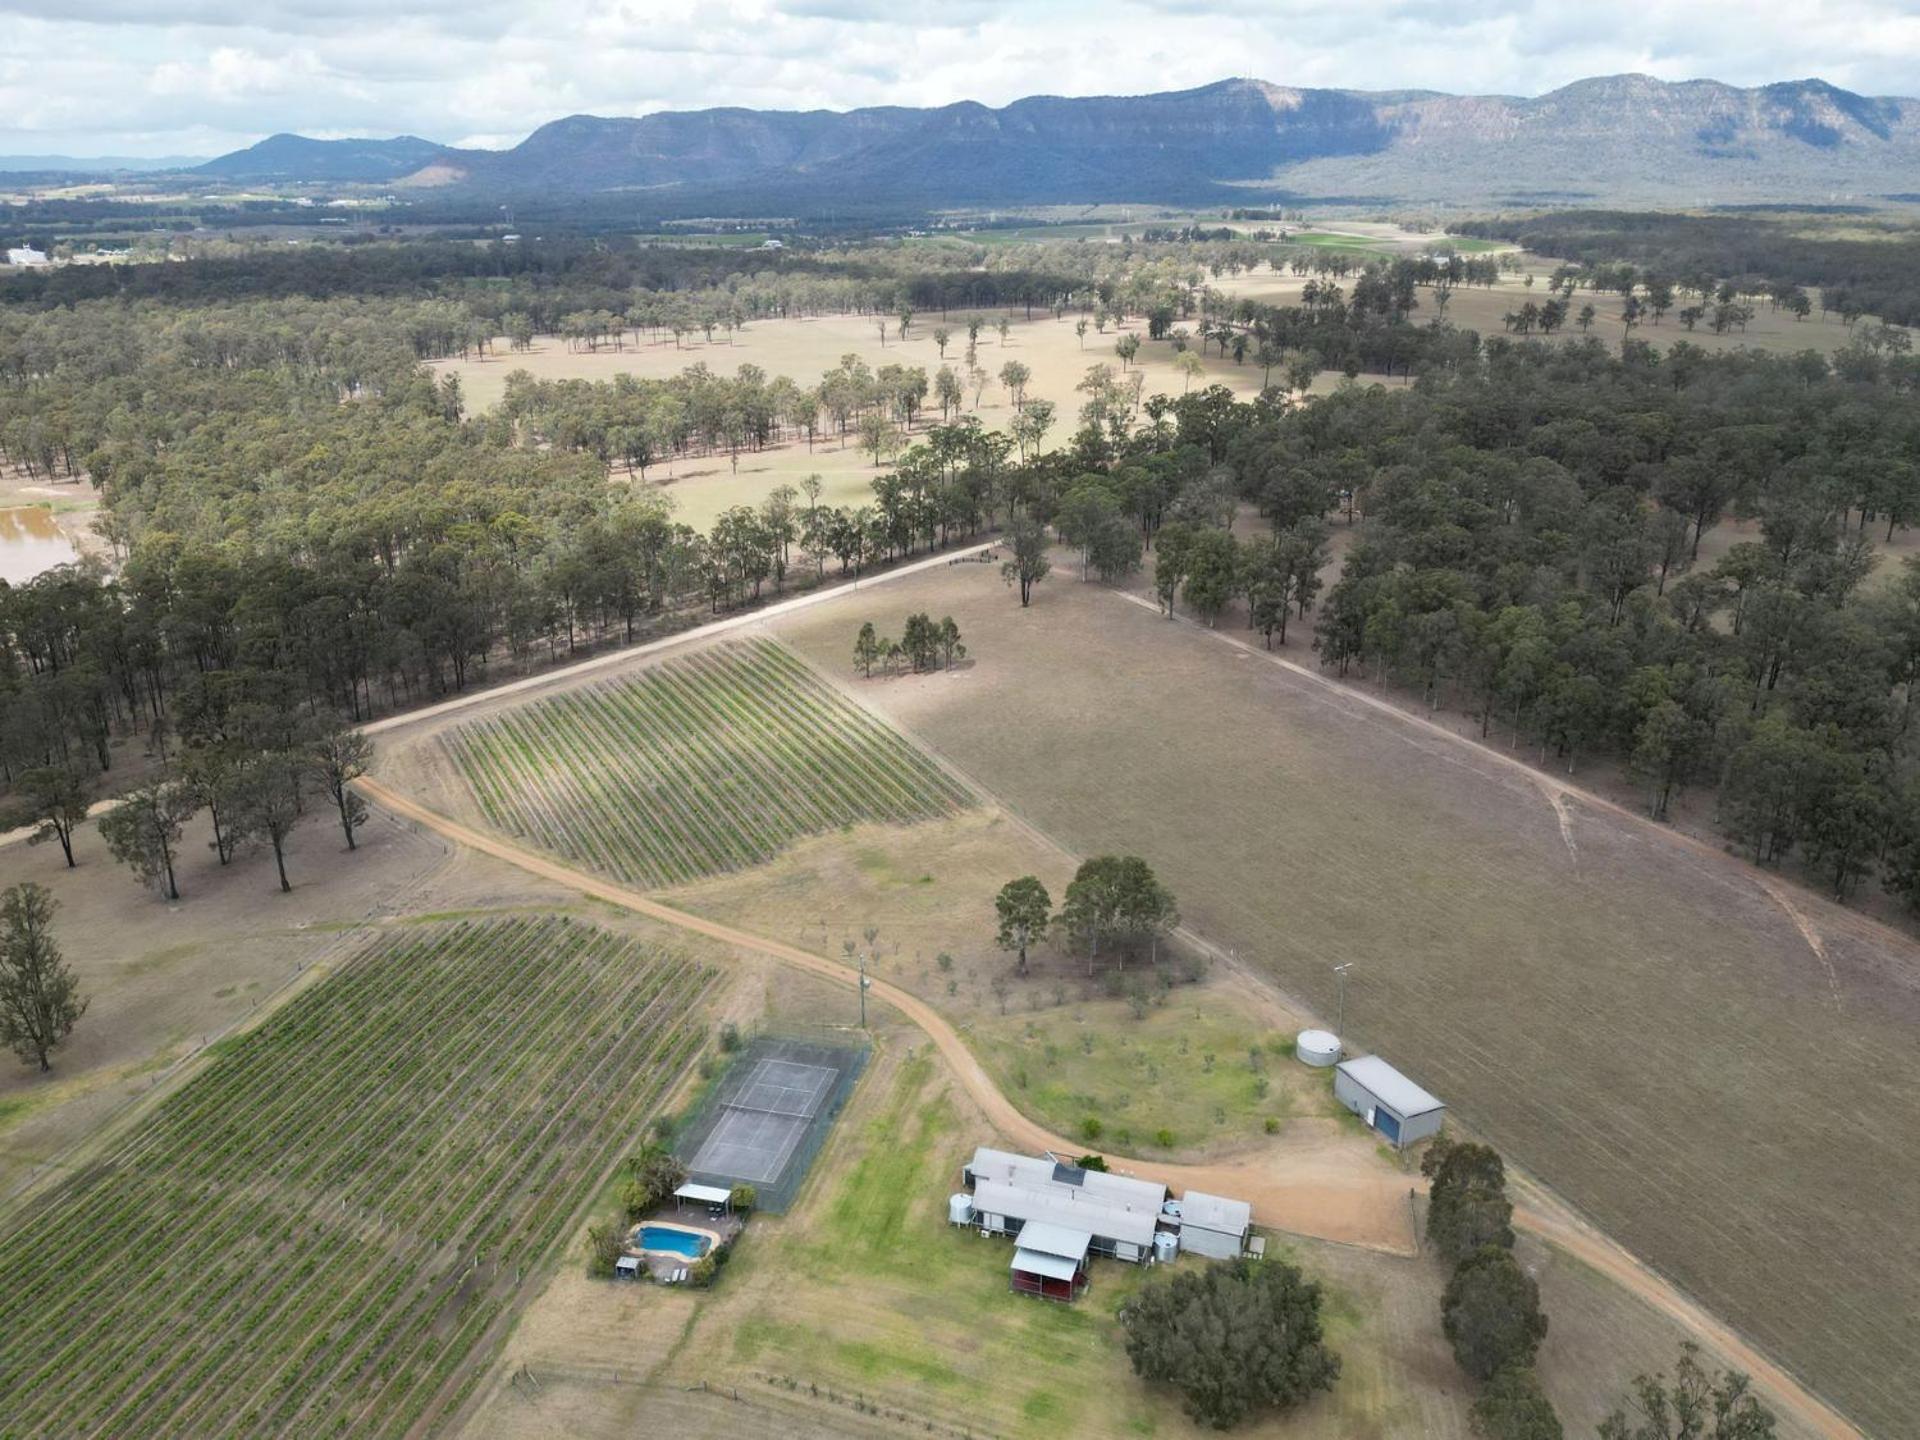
(1392, 1104)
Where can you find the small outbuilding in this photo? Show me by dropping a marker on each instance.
(627, 1267)
(1213, 1225)
(1398, 1109)
(1050, 1261)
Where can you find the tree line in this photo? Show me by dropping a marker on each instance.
(1874, 275)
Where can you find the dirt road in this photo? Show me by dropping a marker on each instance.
(1318, 1196)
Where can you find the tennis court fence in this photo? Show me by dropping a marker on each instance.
(764, 1123)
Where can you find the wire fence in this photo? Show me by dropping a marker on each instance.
(765, 1122)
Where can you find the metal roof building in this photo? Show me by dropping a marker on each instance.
(1387, 1100)
(1012, 1194)
(1050, 1261)
(1213, 1225)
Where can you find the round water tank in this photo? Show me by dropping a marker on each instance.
(1317, 1047)
(1166, 1245)
(960, 1210)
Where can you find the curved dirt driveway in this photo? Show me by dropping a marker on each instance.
(1316, 1196)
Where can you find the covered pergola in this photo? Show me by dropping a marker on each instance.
(1050, 1261)
(716, 1198)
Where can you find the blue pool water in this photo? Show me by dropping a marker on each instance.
(680, 1242)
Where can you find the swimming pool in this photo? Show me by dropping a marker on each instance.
(679, 1242)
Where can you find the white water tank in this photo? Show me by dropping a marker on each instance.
(1166, 1245)
(1317, 1047)
(960, 1210)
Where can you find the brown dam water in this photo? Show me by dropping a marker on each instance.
(31, 541)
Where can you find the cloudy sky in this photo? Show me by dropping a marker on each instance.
(135, 77)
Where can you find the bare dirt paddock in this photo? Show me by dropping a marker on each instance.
(1639, 1023)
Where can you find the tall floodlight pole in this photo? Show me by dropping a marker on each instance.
(1340, 1015)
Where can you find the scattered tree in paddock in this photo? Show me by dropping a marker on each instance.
(1695, 1405)
(1024, 908)
(920, 641)
(1235, 1339)
(40, 1001)
(1126, 347)
(866, 649)
(269, 803)
(1491, 1313)
(1514, 1407)
(54, 799)
(1027, 539)
(1016, 377)
(339, 755)
(1117, 899)
(143, 830)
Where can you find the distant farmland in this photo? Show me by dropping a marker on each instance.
(707, 763)
(312, 1235)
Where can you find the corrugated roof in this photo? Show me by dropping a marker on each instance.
(1055, 1240)
(1070, 1209)
(1032, 1262)
(705, 1194)
(1390, 1087)
(1035, 1172)
(1215, 1212)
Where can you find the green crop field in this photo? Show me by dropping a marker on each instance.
(311, 1236)
(707, 763)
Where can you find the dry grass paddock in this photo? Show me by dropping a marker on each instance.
(804, 350)
(1640, 1024)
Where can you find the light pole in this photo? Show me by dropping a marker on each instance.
(1340, 1015)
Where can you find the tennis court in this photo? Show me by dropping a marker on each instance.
(761, 1125)
(767, 1119)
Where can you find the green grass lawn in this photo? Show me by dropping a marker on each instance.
(1203, 1074)
(869, 1291)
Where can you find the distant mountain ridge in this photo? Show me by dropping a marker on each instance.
(1614, 139)
(295, 157)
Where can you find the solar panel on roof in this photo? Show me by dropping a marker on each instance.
(1068, 1174)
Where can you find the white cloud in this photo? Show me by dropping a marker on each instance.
(120, 76)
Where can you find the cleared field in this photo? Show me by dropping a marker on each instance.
(312, 1235)
(803, 350)
(706, 763)
(1640, 1024)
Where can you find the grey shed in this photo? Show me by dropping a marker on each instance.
(1392, 1104)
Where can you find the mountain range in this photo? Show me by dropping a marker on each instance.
(1619, 139)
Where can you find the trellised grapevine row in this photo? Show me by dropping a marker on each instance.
(711, 762)
(312, 1235)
